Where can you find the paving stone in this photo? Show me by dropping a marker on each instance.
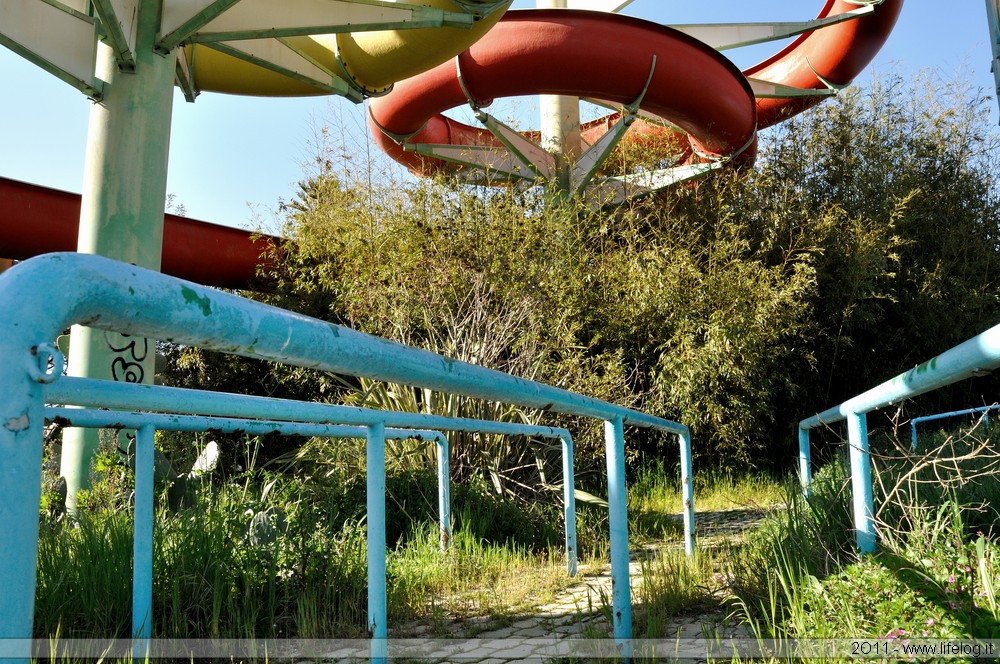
(578, 608)
(531, 633)
(525, 623)
(572, 629)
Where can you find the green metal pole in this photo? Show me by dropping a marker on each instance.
(121, 217)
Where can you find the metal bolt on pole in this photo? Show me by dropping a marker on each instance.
(121, 214)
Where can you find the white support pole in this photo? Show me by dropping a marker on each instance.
(444, 491)
(560, 122)
(121, 216)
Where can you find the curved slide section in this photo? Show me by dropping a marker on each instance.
(553, 52)
(835, 54)
(36, 220)
(369, 61)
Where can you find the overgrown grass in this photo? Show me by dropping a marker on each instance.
(655, 501)
(673, 585)
(271, 555)
(274, 555)
(474, 578)
(934, 572)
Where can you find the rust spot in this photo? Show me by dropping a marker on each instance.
(17, 424)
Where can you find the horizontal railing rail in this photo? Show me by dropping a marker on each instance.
(45, 295)
(983, 410)
(198, 410)
(974, 357)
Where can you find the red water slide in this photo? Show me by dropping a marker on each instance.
(36, 220)
(606, 56)
(586, 54)
(580, 54)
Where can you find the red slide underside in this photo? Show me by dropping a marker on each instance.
(36, 220)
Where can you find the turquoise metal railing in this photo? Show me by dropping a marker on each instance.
(45, 295)
(147, 424)
(974, 357)
(985, 410)
(95, 393)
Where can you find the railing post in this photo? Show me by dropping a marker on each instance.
(861, 482)
(142, 543)
(687, 491)
(21, 424)
(805, 462)
(569, 504)
(621, 598)
(377, 609)
(444, 491)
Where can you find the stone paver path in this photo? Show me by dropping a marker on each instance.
(576, 614)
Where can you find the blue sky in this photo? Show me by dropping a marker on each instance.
(233, 158)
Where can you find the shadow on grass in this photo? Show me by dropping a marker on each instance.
(722, 523)
(955, 595)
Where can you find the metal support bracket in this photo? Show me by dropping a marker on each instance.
(118, 18)
(56, 37)
(539, 162)
(518, 158)
(830, 85)
(993, 19)
(481, 10)
(346, 75)
(357, 94)
(273, 55)
(185, 76)
(767, 90)
(622, 188)
(590, 162)
(724, 36)
(231, 20)
(486, 158)
(399, 138)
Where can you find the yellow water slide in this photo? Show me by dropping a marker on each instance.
(369, 62)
